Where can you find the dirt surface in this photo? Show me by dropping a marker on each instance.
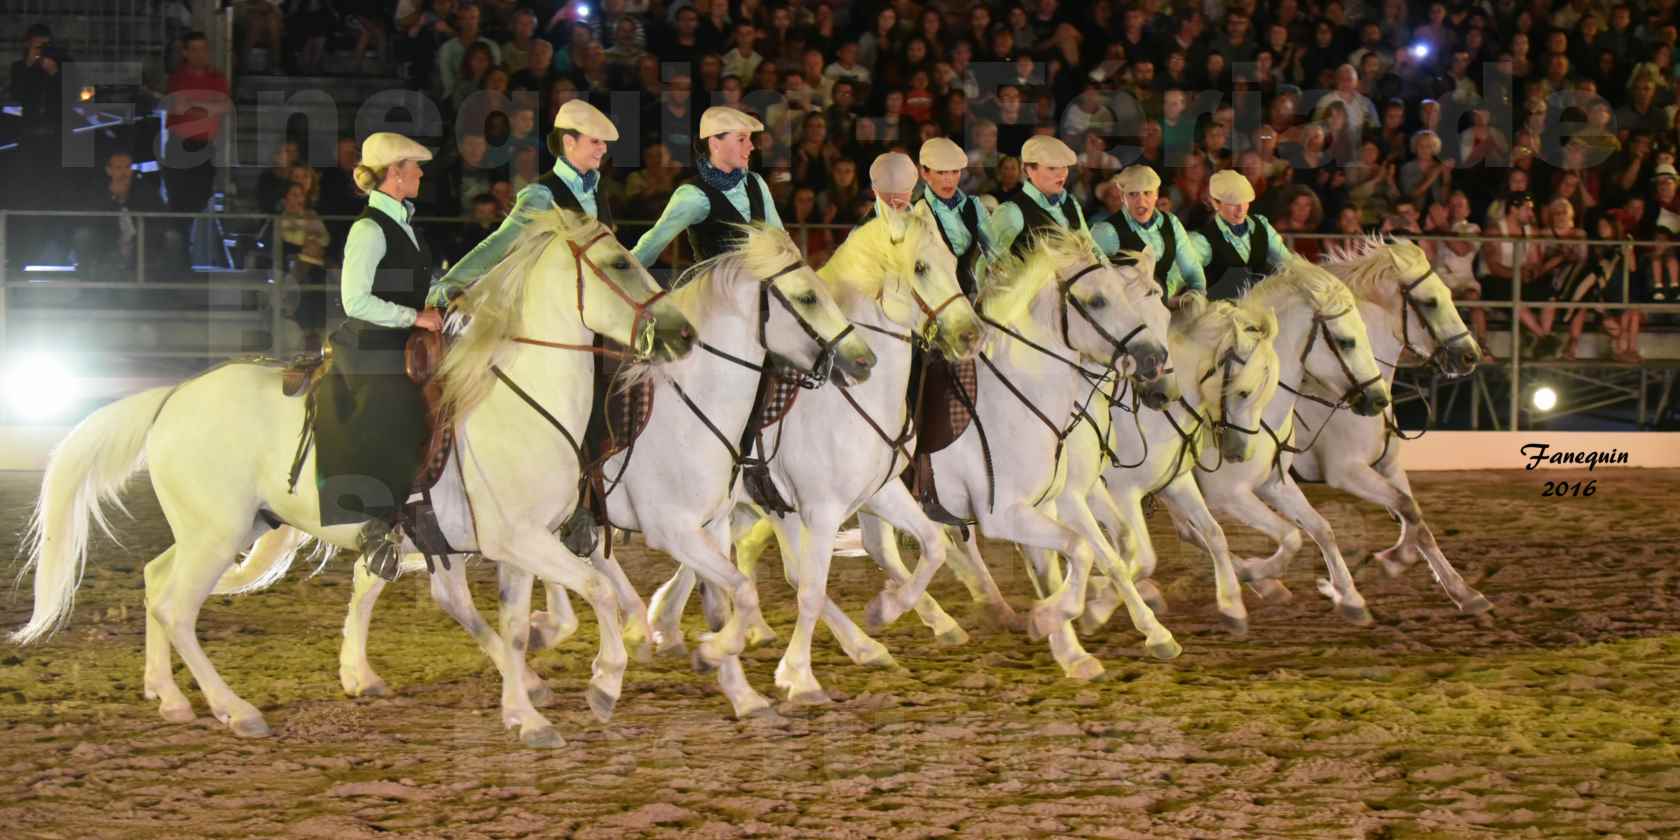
(1552, 716)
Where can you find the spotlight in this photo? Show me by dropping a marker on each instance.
(1420, 51)
(38, 387)
(583, 11)
(1545, 399)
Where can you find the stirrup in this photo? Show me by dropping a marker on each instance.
(579, 532)
(381, 547)
(937, 512)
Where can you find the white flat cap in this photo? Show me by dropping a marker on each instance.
(893, 172)
(940, 155)
(580, 116)
(384, 148)
(1137, 178)
(1230, 187)
(720, 119)
(1047, 151)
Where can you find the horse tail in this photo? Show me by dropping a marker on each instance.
(264, 564)
(86, 471)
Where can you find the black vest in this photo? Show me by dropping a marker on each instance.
(1131, 241)
(1035, 218)
(966, 260)
(564, 197)
(713, 235)
(1227, 273)
(403, 277)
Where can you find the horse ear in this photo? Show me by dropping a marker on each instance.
(1189, 309)
(1268, 324)
(898, 221)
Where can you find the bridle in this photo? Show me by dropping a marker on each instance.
(1321, 326)
(1411, 308)
(641, 338)
(823, 367)
(1120, 345)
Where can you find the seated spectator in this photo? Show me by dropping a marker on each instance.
(272, 183)
(1564, 264)
(303, 242)
(649, 187)
(470, 76)
(742, 60)
(1499, 259)
(516, 52)
(452, 56)
(538, 71)
(1605, 280)
(468, 176)
(264, 26)
(1302, 213)
(1426, 177)
(485, 216)
(107, 248)
(365, 20)
(817, 243)
(527, 168)
(845, 202)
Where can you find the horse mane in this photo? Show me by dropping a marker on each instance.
(1141, 271)
(1013, 283)
(1298, 277)
(855, 267)
(493, 307)
(1373, 266)
(1223, 325)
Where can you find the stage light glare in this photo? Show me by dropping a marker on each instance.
(1545, 399)
(38, 388)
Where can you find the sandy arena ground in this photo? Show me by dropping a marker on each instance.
(1553, 716)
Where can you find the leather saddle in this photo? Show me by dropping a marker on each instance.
(942, 393)
(620, 413)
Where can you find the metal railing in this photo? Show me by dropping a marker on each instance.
(272, 287)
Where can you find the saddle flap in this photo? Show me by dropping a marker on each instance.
(302, 372)
(944, 413)
(422, 353)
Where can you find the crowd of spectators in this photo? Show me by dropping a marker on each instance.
(1551, 120)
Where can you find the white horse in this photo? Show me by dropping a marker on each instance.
(675, 484)
(1408, 311)
(840, 450)
(1057, 313)
(1321, 336)
(220, 448)
(1227, 369)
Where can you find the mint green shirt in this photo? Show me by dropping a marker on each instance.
(689, 206)
(1186, 270)
(363, 249)
(1276, 251)
(951, 220)
(531, 201)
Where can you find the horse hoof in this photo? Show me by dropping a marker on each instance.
(1357, 615)
(1272, 591)
(1151, 595)
(952, 636)
(1043, 621)
(1236, 625)
(760, 634)
(600, 703)
(643, 652)
(254, 727)
(1084, 669)
(1168, 648)
(879, 657)
(1476, 604)
(751, 706)
(540, 694)
(810, 697)
(377, 688)
(875, 615)
(669, 644)
(544, 738)
(178, 714)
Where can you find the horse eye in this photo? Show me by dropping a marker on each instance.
(1431, 304)
(622, 264)
(1243, 394)
(921, 267)
(1345, 343)
(807, 299)
(1097, 302)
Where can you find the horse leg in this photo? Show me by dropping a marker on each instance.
(1030, 527)
(701, 551)
(665, 611)
(195, 564)
(1184, 499)
(1129, 532)
(808, 562)
(984, 589)
(450, 592)
(894, 504)
(556, 624)
(1158, 640)
(636, 631)
(1264, 575)
(532, 550)
(880, 542)
(160, 678)
(355, 673)
(1392, 490)
(748, 549)
(1286, 496)
(1077, 663)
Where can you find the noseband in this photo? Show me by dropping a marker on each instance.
(1120, 345)
(1321, 325)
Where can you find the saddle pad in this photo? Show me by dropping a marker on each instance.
(779, 401)
(944, 416)
(620, 412)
